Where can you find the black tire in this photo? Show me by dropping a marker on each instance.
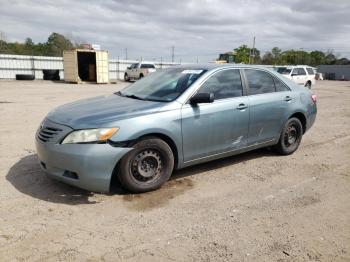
(308, 84)
(126, 77)
(147, 167)
(290, 138)
(49, 74)
(141, 75)
(25, 77)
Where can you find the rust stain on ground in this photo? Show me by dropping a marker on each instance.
(160, 197)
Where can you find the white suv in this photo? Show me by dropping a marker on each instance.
(139, 70)
(302, 75)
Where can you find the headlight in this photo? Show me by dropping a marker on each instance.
(90, 135)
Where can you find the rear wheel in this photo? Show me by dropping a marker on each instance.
(147, 166)
(308, 84)
(291, 136)
(141, 75)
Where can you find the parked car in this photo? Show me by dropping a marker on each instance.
(302, 75)
(139, 70)
(174, 118)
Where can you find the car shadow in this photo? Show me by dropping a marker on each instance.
(28, 178)
(223, 162)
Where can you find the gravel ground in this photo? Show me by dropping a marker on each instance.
(258, 206)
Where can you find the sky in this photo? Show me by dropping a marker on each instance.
(198, 29)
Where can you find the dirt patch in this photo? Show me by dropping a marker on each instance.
(258, 206)
(160, 197)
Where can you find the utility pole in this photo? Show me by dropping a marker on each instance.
(252, 53)
(126, 53)
(253, 49)
(172, 53)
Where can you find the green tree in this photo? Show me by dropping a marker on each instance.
(330, 58)
(317, 58)
(243, 53)
(276, 52)
(268, 59)
(57, 43)
(342, 61)
(29, 42)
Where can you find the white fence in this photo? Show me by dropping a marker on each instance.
(10, 65)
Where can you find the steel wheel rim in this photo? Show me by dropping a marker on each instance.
(147, 166)
(291, 135)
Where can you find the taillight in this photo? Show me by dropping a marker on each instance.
(314, 98)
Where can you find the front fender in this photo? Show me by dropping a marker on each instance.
(166, 123)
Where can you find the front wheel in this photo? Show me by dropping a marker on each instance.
(147, 166)
(290, 138)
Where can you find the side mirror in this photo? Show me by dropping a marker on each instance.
(202, 98)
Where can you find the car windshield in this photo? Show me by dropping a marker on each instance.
(163, 86)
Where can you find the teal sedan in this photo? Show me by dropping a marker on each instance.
(171, 119)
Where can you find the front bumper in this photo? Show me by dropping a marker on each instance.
(88, 166)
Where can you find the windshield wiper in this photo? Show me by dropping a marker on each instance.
(134, 97)
(139, 98)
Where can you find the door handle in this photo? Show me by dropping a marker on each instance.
(242, 106)
(287, 98)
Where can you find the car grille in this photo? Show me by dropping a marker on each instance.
(46, 133)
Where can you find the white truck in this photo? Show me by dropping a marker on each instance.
(139, 70)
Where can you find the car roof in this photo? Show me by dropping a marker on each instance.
(211, 66)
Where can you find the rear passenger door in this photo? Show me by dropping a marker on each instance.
(269, 100)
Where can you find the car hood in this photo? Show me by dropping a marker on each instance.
(101, 111)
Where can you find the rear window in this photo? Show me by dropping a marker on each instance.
(280, 86)
(147, 66)
(310, 71)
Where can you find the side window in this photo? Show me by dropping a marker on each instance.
(295, 71)
(280, 86)
(310, 71)
(147, 66)
(301, 71)
(224, 84)
(259, 82)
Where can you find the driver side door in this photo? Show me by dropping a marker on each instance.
(218, 127)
